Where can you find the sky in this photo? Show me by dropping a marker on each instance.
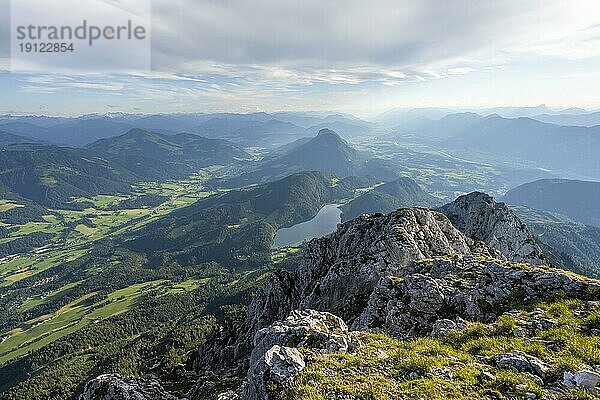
(360, 57)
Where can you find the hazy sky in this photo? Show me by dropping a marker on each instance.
(362, 57)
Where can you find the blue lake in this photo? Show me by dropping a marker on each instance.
(325, 222)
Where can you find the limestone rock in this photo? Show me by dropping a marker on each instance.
(478, 216)
(470, 287)
(587, 379)
(442, 327)
(519, 361)
(276, 358)
(117, 387)
(283, 363)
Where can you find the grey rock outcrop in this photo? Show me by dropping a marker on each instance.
(480, 217)
(519, 361)
(477, 289)
(339, 272)
(442, 327)
(276, 358)
(585, 379)
(117, 387)
(400, 273)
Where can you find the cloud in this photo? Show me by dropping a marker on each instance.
(414, 33)
(315, 53)
(460, 70)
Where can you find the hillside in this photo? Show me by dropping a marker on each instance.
(453, 316)
(186, 150)
(577, 200)
(52, 176)
(326, 152)
(237, 228)
(403, 192)
(555, 147)
(8, 139)
(571, 245)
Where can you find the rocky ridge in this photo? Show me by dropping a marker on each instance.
(408, 274)
(480, 217)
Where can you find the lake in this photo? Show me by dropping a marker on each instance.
(325, 222)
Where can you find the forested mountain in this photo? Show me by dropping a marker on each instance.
(52, 176)
(237, 228)
(187, 150)
(402, 192)
(326, 152)
(578, 200)
(571, 245)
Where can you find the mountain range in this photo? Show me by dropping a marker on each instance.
(555, 147)
(254, 129)
(575, 199)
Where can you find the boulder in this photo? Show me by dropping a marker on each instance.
(277, 358)
(587, 379)
(519, 361)
(117, 387)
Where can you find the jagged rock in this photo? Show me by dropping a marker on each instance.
(283, 363)
(117, 387)
(276, 359)
(216, 387)
(442, 327)
(398, 273)
(228, 395)
(470, 287)
(519, 361)
(339, 272)
(587, 379)
(478, 216)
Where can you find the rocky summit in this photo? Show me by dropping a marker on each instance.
(453, 303)
(480, 217)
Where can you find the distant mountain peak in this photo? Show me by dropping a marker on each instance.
(325, 132)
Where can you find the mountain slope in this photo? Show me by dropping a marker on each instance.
(250, 130)
(580, 119)
(480, 217)
(403, 192)
(237, 228)
(53, 175)
(570, 245)
(567, 148)
(8, 139)
(326, 152)
(188, 150)
(577, 200)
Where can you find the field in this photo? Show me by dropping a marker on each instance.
(73, 234)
